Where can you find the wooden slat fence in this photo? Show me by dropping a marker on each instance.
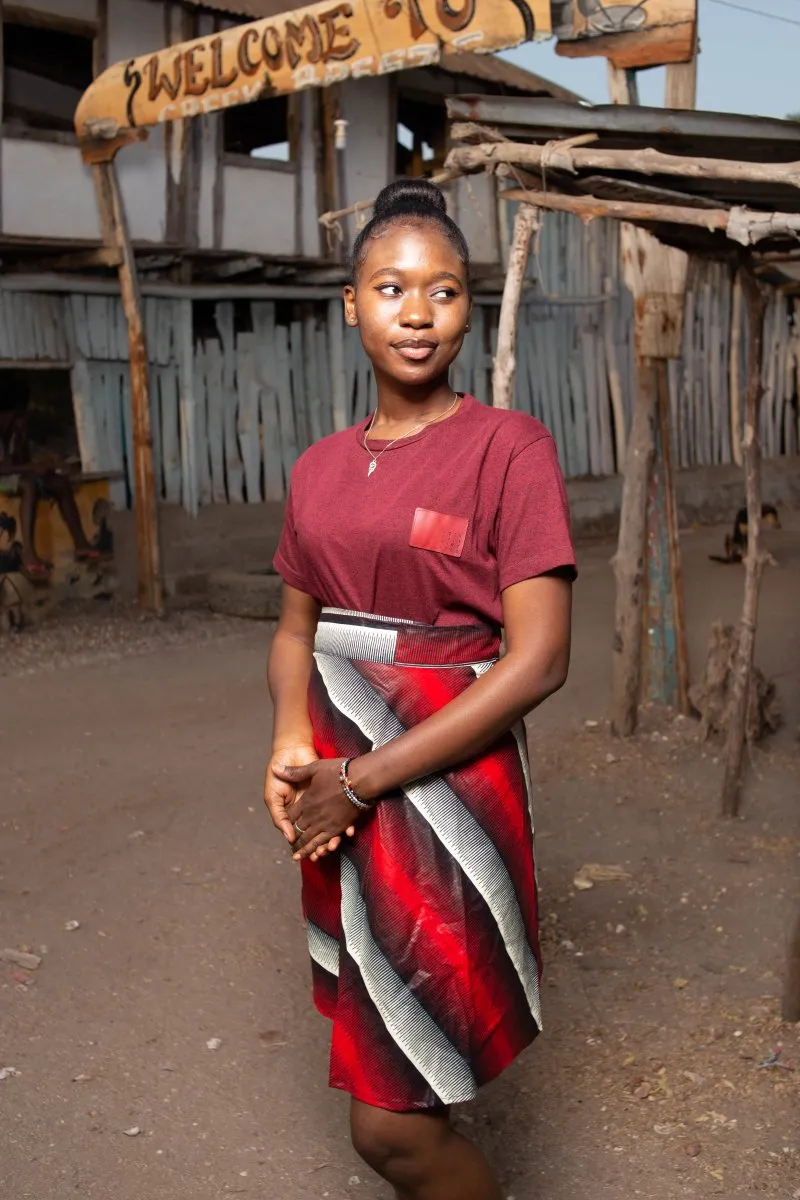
(234, 405)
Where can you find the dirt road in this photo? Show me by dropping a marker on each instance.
(179, 1007)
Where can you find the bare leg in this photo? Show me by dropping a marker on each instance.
(421, 1155)
(27, 520)
(60, 489)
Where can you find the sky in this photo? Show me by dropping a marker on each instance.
(747, 64)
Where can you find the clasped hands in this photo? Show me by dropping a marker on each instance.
(306, 802)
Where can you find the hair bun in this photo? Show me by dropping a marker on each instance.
(411, 197)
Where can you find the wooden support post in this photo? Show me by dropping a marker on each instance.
(114, 225)
(647, 562)
(505, 363)
(665, 670)
(756, 302)
(629, 559)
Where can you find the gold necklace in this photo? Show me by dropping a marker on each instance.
(419, 425)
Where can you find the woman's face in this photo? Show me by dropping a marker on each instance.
(410, 302)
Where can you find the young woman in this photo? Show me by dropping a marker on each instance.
(399, 770)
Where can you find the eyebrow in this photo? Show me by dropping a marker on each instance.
(437, 278)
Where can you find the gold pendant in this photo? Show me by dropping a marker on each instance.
(372, 467)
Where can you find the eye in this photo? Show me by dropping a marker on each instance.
(446, 293)
(388, 289)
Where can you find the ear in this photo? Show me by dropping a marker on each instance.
(350, 314)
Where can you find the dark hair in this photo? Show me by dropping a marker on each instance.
(409, 200)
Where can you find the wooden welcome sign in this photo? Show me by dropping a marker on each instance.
(314, 46)
(330, 42)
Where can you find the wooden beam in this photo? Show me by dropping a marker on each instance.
(572, 158)
(742, 225)
(756, 304)
(634, 51)
(623, 87)
(103, 256)
(505, 363)
(234, 266)
(149, 586)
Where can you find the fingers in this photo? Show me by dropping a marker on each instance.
(295, 775)
(307, 848)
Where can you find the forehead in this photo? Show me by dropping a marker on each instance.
(412, 247)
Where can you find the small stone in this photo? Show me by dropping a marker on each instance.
(611, 758)
(354, 1180)
(619, 929)
(20, 958)
(643, 1090)
(81, 1078)
(591, 724)
(214, 1043)
(8, 1073)
(71, 926)
(692, 1149)
(134, 1131)
(680, 984)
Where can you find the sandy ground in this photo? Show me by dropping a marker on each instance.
(130, 803)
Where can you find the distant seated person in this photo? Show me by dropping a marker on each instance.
(33, 475)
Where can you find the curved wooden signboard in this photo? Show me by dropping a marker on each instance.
(331, 41)
(314, 46)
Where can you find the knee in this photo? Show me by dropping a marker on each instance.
(372, 1138)
(388, 1144)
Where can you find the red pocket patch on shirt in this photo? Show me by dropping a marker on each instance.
(438, 531)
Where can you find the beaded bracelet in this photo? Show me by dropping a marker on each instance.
(349, 790)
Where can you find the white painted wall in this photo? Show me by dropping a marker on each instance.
(258, 210)
(366, 106)
(473, 207)
(309, 239)
(137, 27)
(47, 191)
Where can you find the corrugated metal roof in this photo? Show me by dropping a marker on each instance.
(502, 74)
(488, 68)
(253, 10)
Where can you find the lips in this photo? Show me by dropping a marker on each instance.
(415, 349)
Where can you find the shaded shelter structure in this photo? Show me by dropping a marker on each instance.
(710, 184)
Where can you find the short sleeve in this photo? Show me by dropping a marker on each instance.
(288, 560)
(532, 533)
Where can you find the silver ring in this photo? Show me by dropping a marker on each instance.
(299, 830)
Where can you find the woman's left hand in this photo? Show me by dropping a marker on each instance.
(322, 811)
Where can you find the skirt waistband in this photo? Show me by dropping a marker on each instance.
(364, 637)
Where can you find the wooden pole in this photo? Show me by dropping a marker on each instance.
(114, 226)
(629, 561)
(505, 363)
(566, 156)
(756, 304)
(790, 1010)
(734, 371)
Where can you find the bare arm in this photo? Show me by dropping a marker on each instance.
(288, 673)
(289, 668)
(537, 620)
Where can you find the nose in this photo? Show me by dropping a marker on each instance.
(416, 311)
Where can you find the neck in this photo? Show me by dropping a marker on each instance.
(401, 405)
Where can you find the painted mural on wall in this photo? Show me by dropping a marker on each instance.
(329, 42)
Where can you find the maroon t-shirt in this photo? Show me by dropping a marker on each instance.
(448, 519)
